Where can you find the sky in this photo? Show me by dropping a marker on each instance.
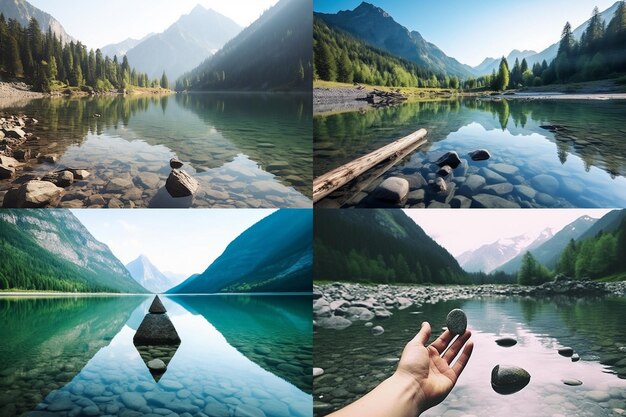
(179, 241)
(99, 23)
(471, 30)
(462, 230)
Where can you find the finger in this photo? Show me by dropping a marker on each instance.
(421, 338)
(442, 341)
(463, 359)
(455, 347)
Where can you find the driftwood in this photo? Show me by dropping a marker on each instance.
(329, 182)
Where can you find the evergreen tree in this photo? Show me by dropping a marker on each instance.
(503, 75)
(164, 81)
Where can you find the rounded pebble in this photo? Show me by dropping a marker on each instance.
(456, 321)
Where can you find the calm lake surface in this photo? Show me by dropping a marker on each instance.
(586, 158)
(239, 355)
(594, 327)
(246, 150)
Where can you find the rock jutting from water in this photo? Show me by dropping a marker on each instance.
(507, 379)
(506, 341)
(456, 322)
(566, 351)
(156, 328)
(181, 184)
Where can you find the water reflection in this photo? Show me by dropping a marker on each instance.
(246, 150)
(588, 153)
(593, 327)
(206, 374)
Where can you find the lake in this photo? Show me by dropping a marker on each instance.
(353, 358)
(245, 150)
(239, 355)
(581, 164)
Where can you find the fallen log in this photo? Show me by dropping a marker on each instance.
(329, 182)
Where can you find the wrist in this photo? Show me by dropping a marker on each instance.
(410, 390)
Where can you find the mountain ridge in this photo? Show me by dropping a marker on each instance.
(23, 11)
(148, 275)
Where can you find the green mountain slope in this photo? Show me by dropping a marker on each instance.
(274, 255)
(52, 250)
(22, 11)
(273, 53)
(381, 246)
(376, 27)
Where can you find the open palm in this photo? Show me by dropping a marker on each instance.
(431, 366)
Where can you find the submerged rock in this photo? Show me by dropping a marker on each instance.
(157, 365)
(181, 184)
(33, 194)
(334, 322)
(506, 379)
(456, 321)
(378, 330)
(480, 155)
(393, 189)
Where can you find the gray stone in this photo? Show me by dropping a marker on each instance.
(444, 171)
(449, 158)
(472, 185)
(157, 306)
(416, 196)
(318, 372)
(572, 382)
(393, 189)
(377, 330)
(499, 189)
(7, 161)
(14, 133)
(506, 341)
(566, 351)
(526, 191)
(491, 177)
(50, 159)
(504, 169)
(438, 185)
(181, 184)
(61, 404)
(156, 329)
(175, 163)
(507, 379)
(460, 202)
(170, 385)
(456, 321)
(245, 410)
(545, 199)
(359, 313)
(147, 180)
(334, 305)
(492, 201)
(91, 410)
(545, 183)
(133, 400)
(216, 409)
(118, 185)
(598, 396)
(334, 322)
(22, 154)
(33, 194)
(480, 155)
(575, 357)
(80, 174)
(157, 365)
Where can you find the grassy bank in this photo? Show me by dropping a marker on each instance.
(408, 91)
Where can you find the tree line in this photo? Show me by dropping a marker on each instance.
(600, 53)
(597, 257)
(338, 56)
(47, 63)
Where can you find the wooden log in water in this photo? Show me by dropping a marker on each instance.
(329, 182)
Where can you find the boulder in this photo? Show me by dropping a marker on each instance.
(444, 171)
(456, 321)
(480, 155)
(7, 161)
(14, 133)
(157, 365)
(504, 169)
(334, 322)
(22, 154)
(503, 188)
(157, 306)
(507, 379)
(6, 172)
(156, 329)
(490, 176)
(377, 330)
(472, 184)
(438, 185)
(545, 183)
(506, 341)
(79, 174)
(566, 351)
(50, 159)
(449, 158)
(175, 163)
(60, 179)
(33, 194)
(181, 184)
(393, 189)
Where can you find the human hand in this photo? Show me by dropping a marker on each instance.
(430, 370)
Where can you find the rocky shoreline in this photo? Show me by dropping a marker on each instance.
(337, 305)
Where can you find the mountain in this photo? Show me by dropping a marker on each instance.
(23, 11)
(491, 64)
(273, 53)
(381, 246)
(376, 27)
(608, 223)
(549, 252)
(184, 45)
(120, 49)
(274, 255)
(148, 275)
(489, 257)
(52, 250)
(550, 52)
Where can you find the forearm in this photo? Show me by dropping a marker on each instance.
(397, 396)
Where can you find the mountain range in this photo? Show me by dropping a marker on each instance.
(381, 246)
(148, 276)
(492, 64)
(490, 256)
(184, 45)
(22, 11)
(52, 250)
(273, 53)
(121, 48)
(376, 27)
(275, 254)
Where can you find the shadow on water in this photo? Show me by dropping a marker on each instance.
(272, 331)
(47, 341)
(593, 327)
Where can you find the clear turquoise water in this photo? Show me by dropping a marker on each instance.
(83, 357)
(246, 150)
(594, 327)
(587, 158)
